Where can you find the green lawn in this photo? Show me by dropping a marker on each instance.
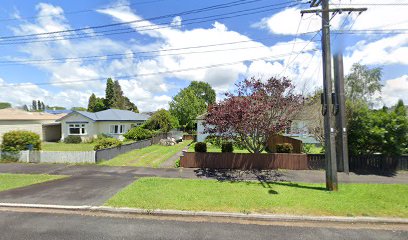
(67, 147)
(151, 156)
(10, 181)
(253, 197)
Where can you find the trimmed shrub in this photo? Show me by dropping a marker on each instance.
(227, 147)
(138, 133)
(284, 148)
(15, 141)
(200, 147)
(104, 143)
(73, 139)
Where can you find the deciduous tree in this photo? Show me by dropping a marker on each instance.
(203, 91)
(186, 106)
(162, 120)
(255, 111)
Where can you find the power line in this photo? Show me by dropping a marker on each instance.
(53, 38)
(294, 42)
(79, 11)
(12, 62)
(311, 40)
(193, 11)
(150, 74)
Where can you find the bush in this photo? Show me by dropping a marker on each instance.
(73, 139)
(227, 147)
(177, 163)
(107, 143)
(200, 147)
(284, 148)
(214, 140)
(15, 141)
(138, 133)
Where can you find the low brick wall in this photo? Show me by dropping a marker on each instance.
(244, 161)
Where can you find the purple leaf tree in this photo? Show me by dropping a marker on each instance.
(255, 111)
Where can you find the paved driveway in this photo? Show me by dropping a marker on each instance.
(75, 190)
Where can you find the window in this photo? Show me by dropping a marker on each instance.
(76, 129)
(133, 125)
(117, 129)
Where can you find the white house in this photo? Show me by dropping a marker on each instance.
(39, 122)
(201, 135)
(112, 122)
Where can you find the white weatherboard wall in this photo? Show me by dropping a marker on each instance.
(201, 136)
(27, 125)
(93, 128)
(90, 128)
(62, 157)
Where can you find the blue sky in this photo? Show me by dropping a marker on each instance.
(274, 38)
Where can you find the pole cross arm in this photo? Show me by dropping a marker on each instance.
(340, 10)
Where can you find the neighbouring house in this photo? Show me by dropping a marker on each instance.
(299, 128)
(88, 125)
(201, 135)
(303, 124)
(44, 124)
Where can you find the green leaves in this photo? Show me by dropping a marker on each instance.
(14, 141)
(378, 131)
(186, 106)
(162, 120)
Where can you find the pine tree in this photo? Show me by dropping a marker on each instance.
(34, 106)
(25, 108)
(119, 99)
(39, 106)
(109, 93)
(95, 104)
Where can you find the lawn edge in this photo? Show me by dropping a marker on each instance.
(180, 213)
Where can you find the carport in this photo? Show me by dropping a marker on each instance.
(51, 132)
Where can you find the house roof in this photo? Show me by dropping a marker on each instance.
(51, 111)
(18, 114)
(113, 115)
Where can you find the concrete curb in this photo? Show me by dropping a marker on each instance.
(242, 216)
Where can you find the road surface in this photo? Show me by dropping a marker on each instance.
(49, 225)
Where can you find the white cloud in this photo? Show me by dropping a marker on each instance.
(286, 22)
(395, 89)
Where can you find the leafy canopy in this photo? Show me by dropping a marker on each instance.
(255, 111)
(162, 120)
(186, 106)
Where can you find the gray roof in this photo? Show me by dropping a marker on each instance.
(114, 115)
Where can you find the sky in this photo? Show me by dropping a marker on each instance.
(156, 47)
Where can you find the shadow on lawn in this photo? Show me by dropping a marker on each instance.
(233, 175)
(267, 178)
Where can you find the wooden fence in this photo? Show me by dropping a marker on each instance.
(244, 161)
(364, 163)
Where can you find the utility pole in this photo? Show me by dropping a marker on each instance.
(339, 109)
(328, 96)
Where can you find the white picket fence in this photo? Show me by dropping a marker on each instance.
(62, 157)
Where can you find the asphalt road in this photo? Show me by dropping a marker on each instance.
(47, 226)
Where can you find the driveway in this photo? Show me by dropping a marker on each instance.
(75, 190)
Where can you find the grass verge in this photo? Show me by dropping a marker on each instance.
(276, 197)
(152, 156)
(10, 181)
